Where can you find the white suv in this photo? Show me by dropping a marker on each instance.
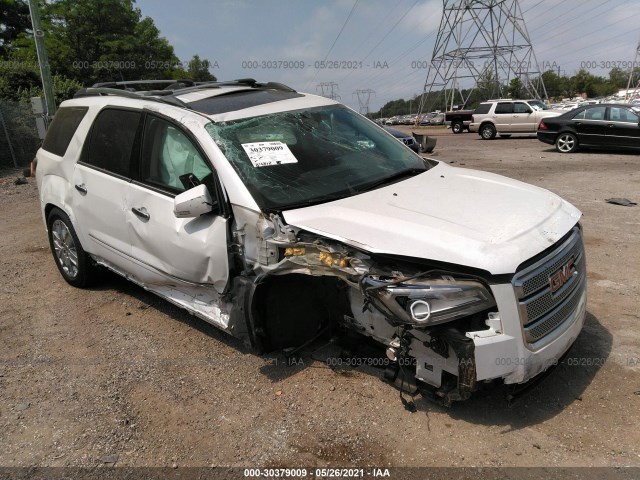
(283, 217)
(506, 117)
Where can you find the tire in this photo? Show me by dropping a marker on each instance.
(457, 126)
(487, 131)
(74, 264)
(566, 143)
(505, 136)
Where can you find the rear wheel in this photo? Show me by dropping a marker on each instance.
(566, 143)
(457, 126)
(488, 131)
(75, 265)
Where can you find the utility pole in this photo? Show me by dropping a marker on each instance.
(329, 93)
(43, 60)
(364, 96)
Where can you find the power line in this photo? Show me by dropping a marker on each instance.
(355, 4)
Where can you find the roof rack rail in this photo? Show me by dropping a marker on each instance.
(161, 96)
(249, 82)
(173, 88)
(126, 83)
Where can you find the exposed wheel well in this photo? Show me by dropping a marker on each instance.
(292, 309)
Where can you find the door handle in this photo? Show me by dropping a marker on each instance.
(141, 212)
(82, 189)
(578, 123)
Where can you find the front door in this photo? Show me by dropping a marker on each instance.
(180, 253)
(622, 127)
(523, 119)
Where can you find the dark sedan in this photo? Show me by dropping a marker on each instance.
(601, 125)
(405, 138)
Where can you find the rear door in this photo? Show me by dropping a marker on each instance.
(180, 253)
(622, 127)
(101, 181)
(502, 116)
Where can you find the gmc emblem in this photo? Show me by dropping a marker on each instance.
(562, 276)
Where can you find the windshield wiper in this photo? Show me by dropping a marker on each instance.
(396, 177)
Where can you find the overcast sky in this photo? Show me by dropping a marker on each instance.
(387, 42)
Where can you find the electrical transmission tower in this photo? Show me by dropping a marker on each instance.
(327, 90)
(481, 44)
(633, 85)
(364, 96)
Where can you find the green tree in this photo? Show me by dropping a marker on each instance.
(14, 19)
(198, 70)
(487, 85)
(515, 88)
(619, 77)
(101, 40)
(19, 81)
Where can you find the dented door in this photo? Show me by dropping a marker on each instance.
(175, 251)
(172, 251)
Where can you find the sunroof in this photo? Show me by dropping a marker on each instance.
(233, 101)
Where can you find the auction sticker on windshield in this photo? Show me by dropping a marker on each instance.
(265, 154)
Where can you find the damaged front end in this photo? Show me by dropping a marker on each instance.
(433, 311)
(297, 287)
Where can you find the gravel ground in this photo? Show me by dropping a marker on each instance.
(113, 375)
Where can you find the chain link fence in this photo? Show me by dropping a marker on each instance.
(19, 139)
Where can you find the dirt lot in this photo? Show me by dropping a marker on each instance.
(114, 374)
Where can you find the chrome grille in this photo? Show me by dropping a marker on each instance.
(541, 310)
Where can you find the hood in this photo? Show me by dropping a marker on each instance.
(447, 214)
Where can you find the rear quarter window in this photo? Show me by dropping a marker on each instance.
(61, 131)
(482, 108)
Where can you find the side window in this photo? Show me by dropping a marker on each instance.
(621, 114)
(579, 115)
(167, 154)
(521, 108)
(504, 107)
(482, 108)
(596, 113)
(64, 125)
(112, 138)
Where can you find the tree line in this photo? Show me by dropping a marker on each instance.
(557, 87)
(88, 41)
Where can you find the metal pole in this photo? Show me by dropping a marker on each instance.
(6, 134)
(43, 59)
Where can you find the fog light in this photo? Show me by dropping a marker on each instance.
(420, 311)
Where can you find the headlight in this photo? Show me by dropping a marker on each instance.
(428, 301)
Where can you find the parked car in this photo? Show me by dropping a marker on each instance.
(283, 218)
(437, 119)
(506, 117)
(602, 125)
(407, 139)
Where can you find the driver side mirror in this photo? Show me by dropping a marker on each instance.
(194, 202)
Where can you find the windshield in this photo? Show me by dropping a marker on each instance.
(303, 157)
(538, 105)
